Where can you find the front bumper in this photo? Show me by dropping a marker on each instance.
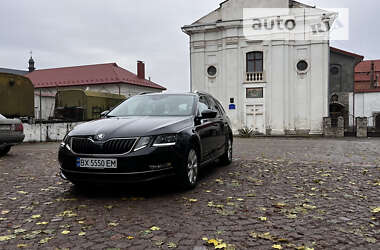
(144, 165)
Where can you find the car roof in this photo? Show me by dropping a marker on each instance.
(195, 93)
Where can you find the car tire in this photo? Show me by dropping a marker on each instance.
(188, 171)
(5, 150)
(226, 158)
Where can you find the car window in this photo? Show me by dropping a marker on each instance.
(214, 106)
(155, 105)
(2, 117)
(202, 105)
(220, 106)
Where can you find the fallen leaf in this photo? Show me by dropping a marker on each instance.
(82, 234)
(45, 240)
(113, 224)
(130, 237)
(36, 216)
(22, 245)
(193, 200)
(172, 245)
(65, 232)
(307, 206)
(5, 212)
(221, 246)
(22, 192)
(154, 228)
(262, 218)
(277, 246)
(19, 231)
(109, 207)
(7, 237)
(376, 210)
(42, 223)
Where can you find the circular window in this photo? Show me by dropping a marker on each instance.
(211, 71)
(302, 65)
(334, 70)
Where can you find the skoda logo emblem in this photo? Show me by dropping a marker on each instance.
(99, 137)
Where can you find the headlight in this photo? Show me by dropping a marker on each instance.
(143, 142)
(66, 142)
(165, 140)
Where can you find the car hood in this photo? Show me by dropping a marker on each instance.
(132, 126)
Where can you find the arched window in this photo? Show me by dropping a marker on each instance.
(255, 62)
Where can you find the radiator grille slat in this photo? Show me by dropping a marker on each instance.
(113, 146)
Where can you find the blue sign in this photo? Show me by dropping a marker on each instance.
(232, 106)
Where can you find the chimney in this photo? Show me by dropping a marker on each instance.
(140, 69)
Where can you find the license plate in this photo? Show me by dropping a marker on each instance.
(96, 163)
(5, 127)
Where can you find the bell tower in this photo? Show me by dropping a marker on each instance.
(31, 63)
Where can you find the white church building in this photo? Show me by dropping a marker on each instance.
(272, 84)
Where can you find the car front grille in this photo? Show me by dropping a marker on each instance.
(110, 147)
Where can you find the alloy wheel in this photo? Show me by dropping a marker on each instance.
(192, 166)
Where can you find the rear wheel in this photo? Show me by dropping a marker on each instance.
(189, 170)
(226, 158)
(5, 150)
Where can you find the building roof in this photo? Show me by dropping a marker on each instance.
(363, 76)
(14, 71)
(108, 73)
(340, 51)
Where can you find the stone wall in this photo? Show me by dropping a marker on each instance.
(46, 132)
(333, 131)
(362, 127)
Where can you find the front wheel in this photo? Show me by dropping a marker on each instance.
(188, 172)
(5, 150)
(226, 158)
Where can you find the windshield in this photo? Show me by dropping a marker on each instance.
(155, 105)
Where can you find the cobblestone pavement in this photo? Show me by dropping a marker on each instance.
(278, 194)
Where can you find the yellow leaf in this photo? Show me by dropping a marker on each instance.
(81, 222)
(7, 237)
(130, 237)
(262, 218)
(221, 246)
(5, 212)
(193, 200)
(240, 199)
(155, 228)
(22, 245)
(376, 210)
(307, 206)
(113, 224)
(36, 216)
(45, 240)
(42, 223)
(277, 246)
(82, 234)
(65, 232)
(205, 239)
(214, 242)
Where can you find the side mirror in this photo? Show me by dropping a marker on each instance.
(104, 114)
(209, 114)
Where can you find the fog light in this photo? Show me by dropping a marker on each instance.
(160, 166)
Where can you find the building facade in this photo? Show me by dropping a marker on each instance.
(275, 87)
(365, 101)
(341, 84)
(106, 78)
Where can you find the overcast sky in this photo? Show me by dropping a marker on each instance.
(81, 32)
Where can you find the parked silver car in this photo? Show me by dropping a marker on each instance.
(11, 133)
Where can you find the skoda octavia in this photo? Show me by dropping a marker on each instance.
(149, 136)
